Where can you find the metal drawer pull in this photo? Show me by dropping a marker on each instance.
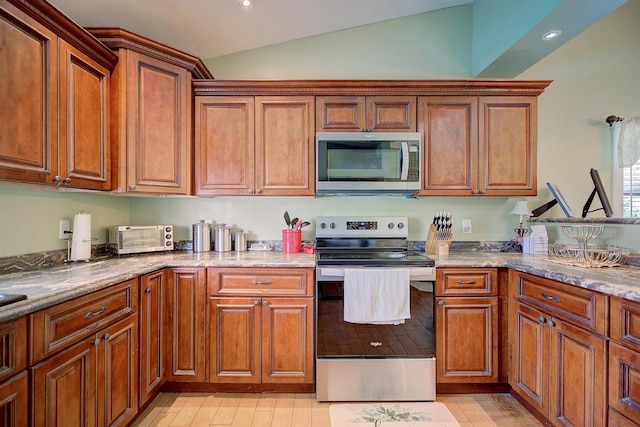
(96, 342)
(550, 298)
(147, 291)
(89, 315)
(465, 282)
(106, 337)
(542, 319)
(551, 323)
(261, 282)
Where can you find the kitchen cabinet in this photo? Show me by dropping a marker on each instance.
(14, 382)
(185, 325)
(54, 101)
(557, 349)
(261, 326)
(93, 382)
(467, 325)
(483, 146)
(254, 146)
(85, 368)
(153, 304)
(624, 362)
(151, 114)
(366, 113)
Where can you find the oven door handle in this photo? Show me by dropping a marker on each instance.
(415, 273)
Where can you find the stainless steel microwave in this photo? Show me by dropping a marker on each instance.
(367, 162)
(133, 239)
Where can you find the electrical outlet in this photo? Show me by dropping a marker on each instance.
(64, 231)
(466, 226)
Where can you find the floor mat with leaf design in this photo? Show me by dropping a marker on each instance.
(388, 414)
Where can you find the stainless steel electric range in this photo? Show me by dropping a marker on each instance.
(364, 266)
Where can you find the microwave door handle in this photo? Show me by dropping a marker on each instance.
(404, 170)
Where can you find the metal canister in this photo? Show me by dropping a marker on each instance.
(201, 236)
(240, 241)
(222, 239)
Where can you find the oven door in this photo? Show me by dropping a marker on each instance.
(369, 362)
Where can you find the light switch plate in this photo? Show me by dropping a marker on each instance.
(466, 226)
(65, 225)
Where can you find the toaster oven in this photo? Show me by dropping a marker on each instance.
(133, 239)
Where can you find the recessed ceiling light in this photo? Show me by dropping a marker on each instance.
(550, 35)
(247, 3)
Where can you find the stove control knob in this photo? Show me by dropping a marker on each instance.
(332, 225)
(323, 225)
(400, 225)
(390, 226)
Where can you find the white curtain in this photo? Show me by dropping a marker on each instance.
(629, 142)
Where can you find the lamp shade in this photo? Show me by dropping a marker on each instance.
(521, 208)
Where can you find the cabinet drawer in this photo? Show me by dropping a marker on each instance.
(13, 347)
(467, 282)
(625, 322)
(59, 326)
(576, 305)
(261, 281)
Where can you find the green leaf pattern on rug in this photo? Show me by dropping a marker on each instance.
(395, 413)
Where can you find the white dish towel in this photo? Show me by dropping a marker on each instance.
(376, 295)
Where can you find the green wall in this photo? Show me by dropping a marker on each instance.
(594, 76)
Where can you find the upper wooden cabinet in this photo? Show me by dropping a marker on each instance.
(151, 114)
(84, 120)
(254, 145)
(482, 146)
(366, 113)
(53, 98)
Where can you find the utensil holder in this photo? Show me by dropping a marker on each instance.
(291, 241)
(435, 245)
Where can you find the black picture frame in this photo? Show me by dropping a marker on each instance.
(598, 189)
(557, 194)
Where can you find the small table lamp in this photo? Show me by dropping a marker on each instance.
(522, 209)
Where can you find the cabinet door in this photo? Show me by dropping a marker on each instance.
(449, 125)
(529, 374)
(287, 340)
(577, 376)
(624, 375)
(340, 113)
(118, 373)
(158, 146)
(234, 353)
(14, 401)
(224, 145)
(84, 121)
(185, 322)
(467, 340)
(391, 113)
(285, 161)
(13, 347)
(152, 334)
(64, 387)
(508, 134)
(28, 98)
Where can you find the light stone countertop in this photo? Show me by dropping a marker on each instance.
(54, 285)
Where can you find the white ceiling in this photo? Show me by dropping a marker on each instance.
(212, 28)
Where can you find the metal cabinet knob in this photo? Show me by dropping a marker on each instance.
(67, 180)
(440, 302)
(147, 291)
(132, 187)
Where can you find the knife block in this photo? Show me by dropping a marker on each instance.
(433, 245)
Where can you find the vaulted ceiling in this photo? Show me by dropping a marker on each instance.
(506, 34)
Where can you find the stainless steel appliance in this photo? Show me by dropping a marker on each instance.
(367, 162)
(133, 239)
(372, 362)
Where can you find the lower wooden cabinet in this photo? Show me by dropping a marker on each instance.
(153, 304)
(94, 382)
(14, 401)
(557, 367)
(185, 325)
(261, 340)
(467, 325)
